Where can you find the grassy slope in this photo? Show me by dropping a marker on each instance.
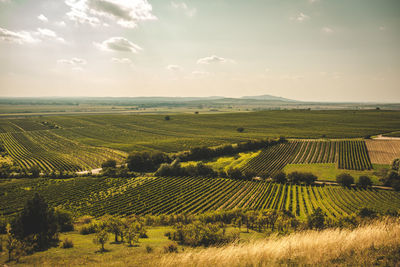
(86, 253)
(375, 244)
(328, 171)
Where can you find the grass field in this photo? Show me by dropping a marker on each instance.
(328, 171)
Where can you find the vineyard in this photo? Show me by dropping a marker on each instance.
(50, 151)
(348, 154)
(383, 151)
(149, 195)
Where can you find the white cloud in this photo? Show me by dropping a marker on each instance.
(20, 37)
(200, 73)
(4, 1)
(121, 60)
(327, 30)
(174, 68)
(127, 13)
(43, 18)
(190, 12)
(301, 17)
(73, 61)
(48, 34)
(60, 24)
(120, 44)
(214, 59)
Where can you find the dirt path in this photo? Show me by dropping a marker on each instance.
(381, 137)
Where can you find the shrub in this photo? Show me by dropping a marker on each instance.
(366, 213)
(316, 219)
(88, 229)
(171, 248)
(149, 249)
(64, 220)
(364, 181)
(67, 243)
(240, 129)
(101, 238)
(345, 179)
(279, 177)
(110, 163)
(167, 118)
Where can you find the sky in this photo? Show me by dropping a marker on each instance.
(312, 50)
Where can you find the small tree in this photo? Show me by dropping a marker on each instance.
(345, 179)
(35, 171)
(364, 181)
(316, 219)
(101, 238)
(13, 246)
(279, 177)
(110, 163)
(114, 226)
(240, 129)
(167, 118)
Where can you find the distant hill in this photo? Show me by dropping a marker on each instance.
(268, 98)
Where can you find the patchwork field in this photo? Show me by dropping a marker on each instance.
(149, 195)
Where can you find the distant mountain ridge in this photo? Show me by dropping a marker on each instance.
(268, 98)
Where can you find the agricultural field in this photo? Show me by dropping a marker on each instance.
(383, 151)
(151, 195)
(67, 142)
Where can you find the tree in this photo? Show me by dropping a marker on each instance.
(316, 219)
(364, 181)
(279, 177)
(36, 223)
(240, 129)
(167, 118)
(345, 179)
(110, 163)
(101, 238)
(64, 220)
(114, 226)
(35, 171)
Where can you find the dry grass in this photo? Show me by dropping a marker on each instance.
(362, 246)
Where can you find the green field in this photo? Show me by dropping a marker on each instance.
(167, 195)
(71, 142)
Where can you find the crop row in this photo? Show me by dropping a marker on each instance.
(168, 195)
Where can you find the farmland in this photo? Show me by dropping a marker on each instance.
(167, 195)
(383, 151)
(67, 142)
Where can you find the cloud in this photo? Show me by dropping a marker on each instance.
(190, 12)
(174, 68)
(42, 18)
(20, 37)
(313, 1)
(48, 34)
(327, 30)
(200, 73)
(4, 1)
(120, 44)
(125, 13)
(301, 17)
(214, 59)
(121, 60)
(60, 24)
(73, 61)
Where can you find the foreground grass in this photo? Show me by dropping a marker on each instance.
(374, 244)
(328, 171)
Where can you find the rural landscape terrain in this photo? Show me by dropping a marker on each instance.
(179, 181)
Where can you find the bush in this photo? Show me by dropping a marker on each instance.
(88, 229)
(167, 118)
(67, 243)
(110, 163)
(101, 238)
(345, 179)
(64, 220)
(146, 161)
(171, 248)
(364, 181)
(279, 177)
(316, 219)
(149, 249)
(366, 213)
(299, 177)
(240, 129)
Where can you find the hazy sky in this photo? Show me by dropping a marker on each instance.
(329, 50)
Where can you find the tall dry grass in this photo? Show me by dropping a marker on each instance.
(304, 248)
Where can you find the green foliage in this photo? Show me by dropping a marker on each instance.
(301, 177)
(110, 163)
(64, 220)
(149, 249)
(67, 243)
(367, 213)
(316, 220)
(240, 129)
(171, 247)
(279, 177)
(146, 161)
(345, 179)
(364, 181)
(35, 171)
(37, 223)
(101, 238)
